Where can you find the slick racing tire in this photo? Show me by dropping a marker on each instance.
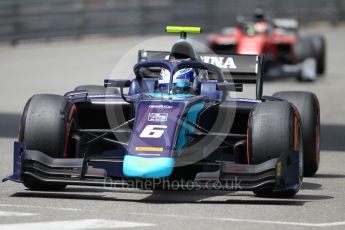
(271, 132)
(319, 48)
(304, 55)
(97, 89)
(303, 49)
(47, 125)
(309, 110)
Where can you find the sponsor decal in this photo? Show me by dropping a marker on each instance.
(279, 168)
(221, 62)
(160, 106)
(146, 162)
(286, 23)
(158, 117)
(149, 149)
(153, 131)
(185, 70)
(149, 154)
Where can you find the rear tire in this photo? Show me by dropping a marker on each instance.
(47, 125)
(308, 106)
(271, 132)
(97, 89)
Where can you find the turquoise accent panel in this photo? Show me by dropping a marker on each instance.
(182, 84)
(142, 167)
(186, 128)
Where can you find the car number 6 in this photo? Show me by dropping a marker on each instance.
(153, 131)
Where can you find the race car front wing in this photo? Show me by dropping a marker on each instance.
(279, 173)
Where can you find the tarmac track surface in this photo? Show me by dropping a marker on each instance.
(59, 66)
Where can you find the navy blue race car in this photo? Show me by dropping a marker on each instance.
(175, 125)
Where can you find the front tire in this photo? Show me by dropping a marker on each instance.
(304, 54)
(271, 132)
(47, 125)
(319, 47)
(303, 49)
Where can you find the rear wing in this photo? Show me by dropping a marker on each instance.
(236, 68)
(239, 68)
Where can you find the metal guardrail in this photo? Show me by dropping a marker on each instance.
(29, 19)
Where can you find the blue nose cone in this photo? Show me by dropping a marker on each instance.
(141, 167)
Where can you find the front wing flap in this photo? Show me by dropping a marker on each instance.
(282, 173)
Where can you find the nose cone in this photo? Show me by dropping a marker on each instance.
(140, 167)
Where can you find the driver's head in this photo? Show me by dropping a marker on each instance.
(259, 14)
(182, 80)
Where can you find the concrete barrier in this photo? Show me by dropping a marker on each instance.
(28, 19)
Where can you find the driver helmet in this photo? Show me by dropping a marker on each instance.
(182, 80)
(259, 14)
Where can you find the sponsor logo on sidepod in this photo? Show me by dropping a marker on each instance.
(160, 106)
(158, 117)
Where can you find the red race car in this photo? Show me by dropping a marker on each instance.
(286, 52)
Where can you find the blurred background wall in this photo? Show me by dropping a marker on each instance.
(27, 19)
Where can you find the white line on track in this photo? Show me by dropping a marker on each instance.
(304, 224)
(74, 225)
(329, 224)
(39, 207)
(5, 213)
